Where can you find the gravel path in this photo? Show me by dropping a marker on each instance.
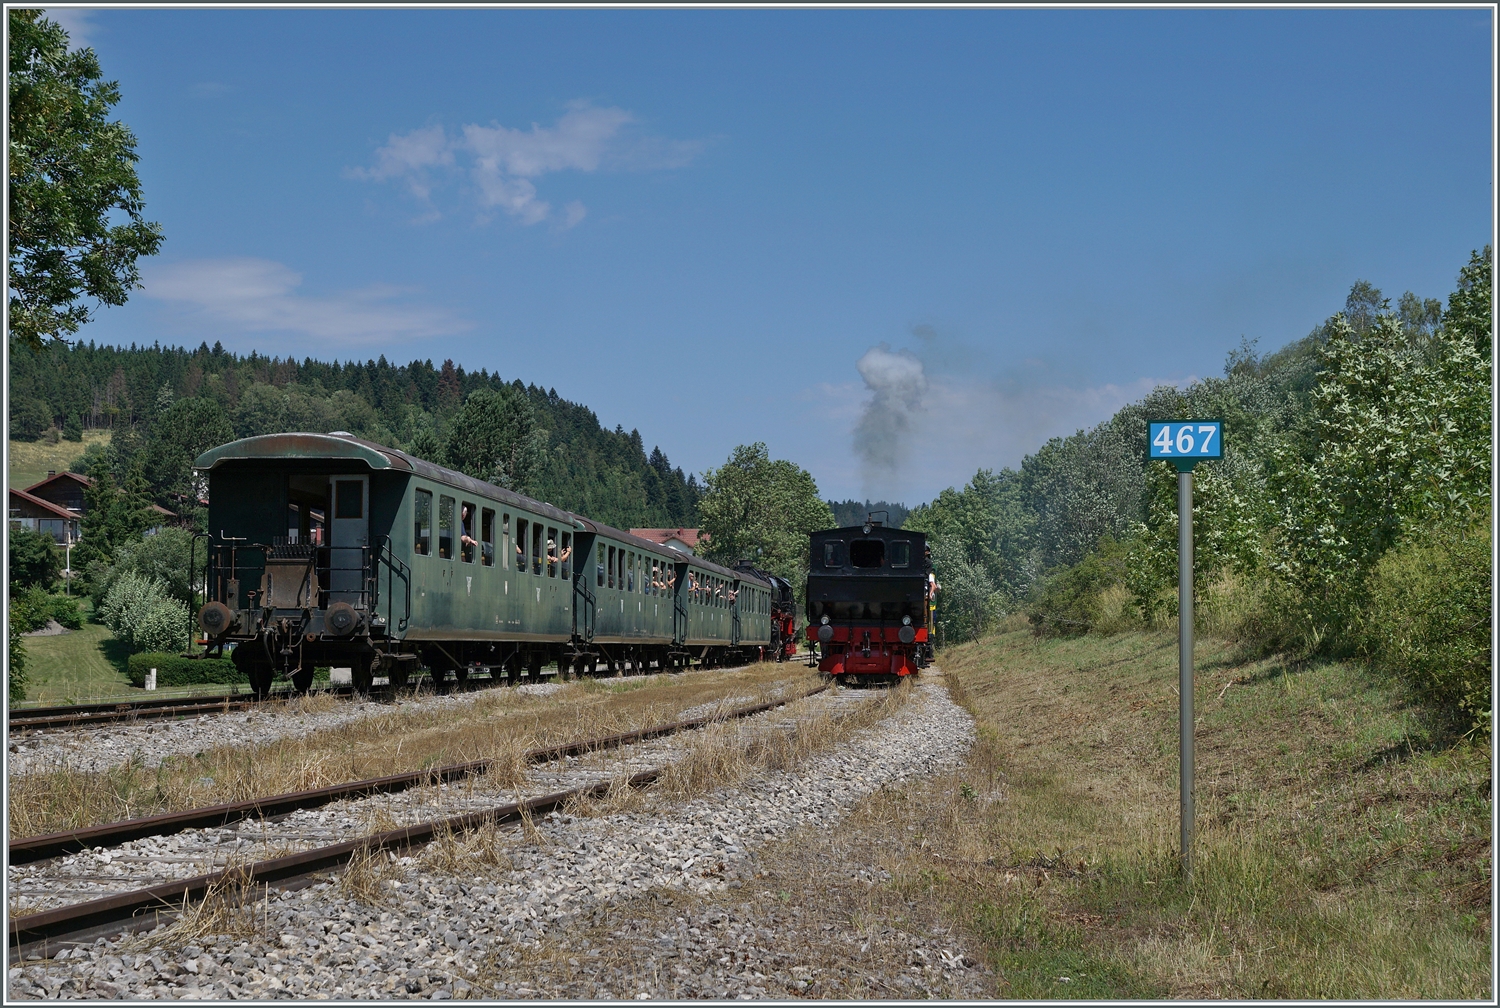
(475, 933)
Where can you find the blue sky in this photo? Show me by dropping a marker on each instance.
(731, 226)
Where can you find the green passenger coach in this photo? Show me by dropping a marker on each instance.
(326, 549)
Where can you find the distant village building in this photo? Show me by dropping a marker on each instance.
(56, 506)
(32, 512)
(681, 539)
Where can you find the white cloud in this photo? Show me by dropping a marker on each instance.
(503, 163)
(409, 157)
(259, 295)
(76, 21)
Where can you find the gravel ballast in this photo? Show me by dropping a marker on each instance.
(478, 932)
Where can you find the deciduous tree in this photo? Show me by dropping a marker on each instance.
(761, 510)
(72, 179)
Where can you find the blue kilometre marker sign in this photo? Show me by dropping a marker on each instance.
(1187, 439)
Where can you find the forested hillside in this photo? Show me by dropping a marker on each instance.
(165, 404)
(853, 512)
(1350, 514)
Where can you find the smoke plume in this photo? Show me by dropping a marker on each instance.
(897, 382)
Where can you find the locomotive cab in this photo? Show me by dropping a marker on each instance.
(867, 603)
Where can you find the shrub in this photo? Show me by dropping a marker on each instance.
(73, 430)
(163, 556)
(164, 627)
(1428, 620)
(64, 609)
(38, 607)
(1089, 596)
(15, 670)
(25, 616)
(175, 670)
(128, 602)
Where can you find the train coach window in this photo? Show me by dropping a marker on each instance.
(536, 549)
(552, 549)
(422, 509)
(487, 537)
(901, 553)
(601, 565)
(522, 527)
(466, 540)
(445, 528)
(630, 572)
(833, 554)
(505, 542)
(567, 555)
(867, 552)
(611, 566)
(349, 498)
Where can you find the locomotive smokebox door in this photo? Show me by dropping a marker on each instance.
(348, 535)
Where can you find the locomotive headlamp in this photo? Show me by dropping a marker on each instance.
(906, 621)
(825, 620)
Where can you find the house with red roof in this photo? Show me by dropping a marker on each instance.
(56, 506)
(682, 539)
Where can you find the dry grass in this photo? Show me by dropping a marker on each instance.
(1338, 855)
(369, 874)
(482, 851)
(500, 724)
(724, 754)
(234, 907)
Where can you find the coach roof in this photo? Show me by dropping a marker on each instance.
(346, 446)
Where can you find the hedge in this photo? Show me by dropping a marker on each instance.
(174, 670)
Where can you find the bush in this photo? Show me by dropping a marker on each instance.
(134, 605)
(24, 615)
(1089, 596)
(15, 671)
(33, 558)
(163, 557)
(175, 670)
(1428, 620)
(164, 627)
(37, 607)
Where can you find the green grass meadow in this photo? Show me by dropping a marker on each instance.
(1343, 842)
(30, 460)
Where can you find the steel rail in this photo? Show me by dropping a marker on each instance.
(25, 850)
(26, 719)
(142, 909)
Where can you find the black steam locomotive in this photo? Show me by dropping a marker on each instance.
(869, 602)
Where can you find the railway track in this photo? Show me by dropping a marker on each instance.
(95, 715)
(226, 834)
(31, 719)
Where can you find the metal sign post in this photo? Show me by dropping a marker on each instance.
(1185, 443)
